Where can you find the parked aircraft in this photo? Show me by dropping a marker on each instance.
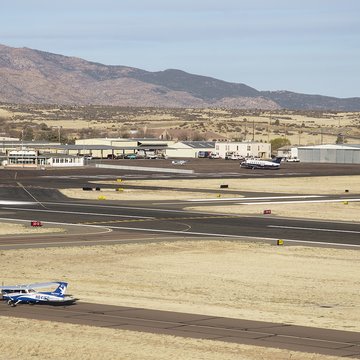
(261, 164)
(26, 294)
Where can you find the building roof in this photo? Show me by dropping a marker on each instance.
(199, 144)
(332, 146)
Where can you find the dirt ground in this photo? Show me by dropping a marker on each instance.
(330, 185)
(290, 185)
(296, 285)
(88, 343)
(15, 229)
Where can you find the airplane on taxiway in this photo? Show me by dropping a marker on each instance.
(261, 164)
(16, 294)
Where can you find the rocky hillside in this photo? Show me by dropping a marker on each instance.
(32, 76)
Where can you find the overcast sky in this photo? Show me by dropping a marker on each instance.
(306, 46)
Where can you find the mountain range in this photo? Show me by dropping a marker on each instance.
(38, 77)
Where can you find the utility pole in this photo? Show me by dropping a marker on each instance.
(245, 128)
(253, 137)
(321, 136)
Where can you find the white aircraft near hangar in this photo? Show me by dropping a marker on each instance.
(26, 294)
(261, 164)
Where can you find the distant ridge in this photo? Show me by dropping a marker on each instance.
(33, 76)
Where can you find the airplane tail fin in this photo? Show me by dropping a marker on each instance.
(61, 289)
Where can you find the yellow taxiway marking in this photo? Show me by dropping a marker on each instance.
(159, 219)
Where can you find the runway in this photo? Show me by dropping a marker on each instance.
(173, 220)
(94, 223)
(257, 333)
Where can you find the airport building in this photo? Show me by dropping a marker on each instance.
(33, 158)
(103, 147)
(190, 149)
(336, 154)
(244, 149)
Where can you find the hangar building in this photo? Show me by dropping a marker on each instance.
(338, 154)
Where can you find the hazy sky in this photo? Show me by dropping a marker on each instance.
(307, 46)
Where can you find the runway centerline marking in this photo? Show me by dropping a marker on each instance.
(313, 229)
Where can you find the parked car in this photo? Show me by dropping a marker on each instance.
(214, 156)
(179, 162)
(294, 159)
(131, 156)
(111, 156)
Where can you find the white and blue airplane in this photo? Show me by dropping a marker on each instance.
(27, 294)
(261, 164)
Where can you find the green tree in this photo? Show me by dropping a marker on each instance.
(278, 143)
(28, 134)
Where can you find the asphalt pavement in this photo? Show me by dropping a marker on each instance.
(27, 195)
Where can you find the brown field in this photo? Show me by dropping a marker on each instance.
(16, 229)
(55, 340)
(300, 127)
(297, 285)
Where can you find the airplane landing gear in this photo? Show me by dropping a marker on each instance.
(11, 303)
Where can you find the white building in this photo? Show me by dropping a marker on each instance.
(245, 149)
(102, 147)
(288, 152)
(32, 158)
(189, 149)
(332, 153)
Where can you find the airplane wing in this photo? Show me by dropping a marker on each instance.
(29, 286)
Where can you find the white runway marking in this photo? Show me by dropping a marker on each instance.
(299, 201)
(79, 213)
(9, 202)
(314, 229)
(257, 198)
(233, 236)
(109, 228)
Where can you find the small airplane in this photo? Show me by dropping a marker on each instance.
(26, 294)
(261, 164)
(179, 162)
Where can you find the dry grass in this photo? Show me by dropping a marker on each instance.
(297, 285)
(324, 185)
(301, 127)
(138, 194)
(16, 229)
(330, 185)
(221, 278)
(321, 211)
(55, 340)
